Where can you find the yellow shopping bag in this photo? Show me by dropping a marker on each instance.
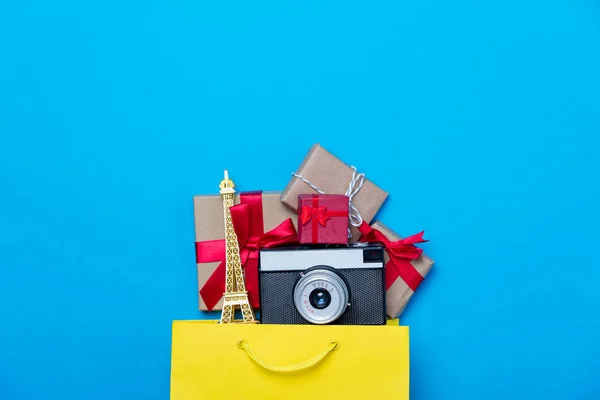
(237, 361)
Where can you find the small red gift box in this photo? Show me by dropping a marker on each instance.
(323, 218)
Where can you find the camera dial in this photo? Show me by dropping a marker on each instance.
(321, 295)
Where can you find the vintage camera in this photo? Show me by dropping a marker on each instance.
(323, 285)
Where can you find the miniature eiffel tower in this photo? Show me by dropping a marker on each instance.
(235, 287)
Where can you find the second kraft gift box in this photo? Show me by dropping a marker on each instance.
(260, 220)
(405, 265)
(332, 176)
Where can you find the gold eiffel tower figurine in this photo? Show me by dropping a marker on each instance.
(235, 287)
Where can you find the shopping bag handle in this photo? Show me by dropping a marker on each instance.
(243, 345)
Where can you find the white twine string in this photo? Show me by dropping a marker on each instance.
(356, 183)
(309, 183)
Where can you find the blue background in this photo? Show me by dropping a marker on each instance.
(481, 119)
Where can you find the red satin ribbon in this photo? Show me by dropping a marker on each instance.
(318, 215)
(401, 252)
(247, 218)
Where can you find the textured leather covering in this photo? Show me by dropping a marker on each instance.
(367, 298)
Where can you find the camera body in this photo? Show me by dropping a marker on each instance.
(343, 284)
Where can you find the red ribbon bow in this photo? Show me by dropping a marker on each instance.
(400, 252)
(247, 218)
(319, 213)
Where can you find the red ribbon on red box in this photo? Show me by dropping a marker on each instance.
(400, 252)
(247, 218)
(318, 215)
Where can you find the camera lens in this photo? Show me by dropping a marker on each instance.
(321, 295)
(320, 298)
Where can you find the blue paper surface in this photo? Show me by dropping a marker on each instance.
(481, 119)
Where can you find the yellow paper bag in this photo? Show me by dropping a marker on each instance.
(237, 361)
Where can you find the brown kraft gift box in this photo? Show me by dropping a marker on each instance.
(332, 176)
(398, 294)
(210, 226)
